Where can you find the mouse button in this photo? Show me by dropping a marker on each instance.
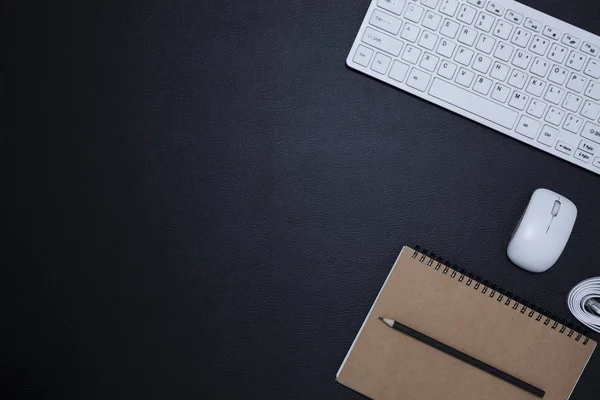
(556, 208)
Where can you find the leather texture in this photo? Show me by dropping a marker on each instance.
(202, 200)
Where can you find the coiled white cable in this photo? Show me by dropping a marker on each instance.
(583, 305)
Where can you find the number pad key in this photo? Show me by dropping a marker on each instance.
(540, 67)
(558, 75)
(536, 87)
(517, 79)
(522, 59)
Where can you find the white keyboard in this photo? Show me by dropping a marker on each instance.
(500, 63)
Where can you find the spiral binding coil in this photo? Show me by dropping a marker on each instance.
(518, 304)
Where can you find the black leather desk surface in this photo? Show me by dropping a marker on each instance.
(203, 200)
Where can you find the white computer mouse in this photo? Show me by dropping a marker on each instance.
(543, 231)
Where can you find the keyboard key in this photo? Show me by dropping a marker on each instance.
(500, 71)
(432, 21)
(588, 146)
(521, 37)
(514, 16)
(539, 45)
(382, 42)
(485, 44)
(410, 32)
(548, 135)
(482, 85)
(590, 110)
(551, 32)
(572, 102)
(386, 22)
(521, 59)
(554, 94)
(466, 14)
(418, 79)
(596, 162)
(570, 40)
(463, 56)
(446, 48)
(564, 148)
(576, 61)
(447, 69)
(467, 36)
(473, 103)
(532, 24)
(557, 53)
(517, 79)
(583, 156)
(555, 115)
(363, 55)
(398, 71)
(429, 62)
(414, 13)
(381, 63)
(449, 28)
(518, 101)
(495, 8)
(449, 7)
(576, 83)
(394, 6)
(591, 132)
(573, 123)
(482, 64)
(428, 40)
(484, 22)
(540, 67)
(592, 69)
(503, 29)
(503, 52)
(536, 108)
(558, 75)
(593, 90)
(590, 49)
(500, 93)
(528, 127)
(430, 3)
(464, 77)
(536, 86)
(411, 54)
(477, 3)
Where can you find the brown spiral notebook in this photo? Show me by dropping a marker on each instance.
(484, 322)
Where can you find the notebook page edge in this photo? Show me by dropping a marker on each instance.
(581, 373)
(369, 313)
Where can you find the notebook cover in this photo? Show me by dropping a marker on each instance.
(386, 364)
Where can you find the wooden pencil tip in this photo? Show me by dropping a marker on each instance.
(381, 318)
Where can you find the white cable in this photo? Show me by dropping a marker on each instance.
(579, 295)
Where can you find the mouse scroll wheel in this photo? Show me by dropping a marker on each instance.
(555, 208)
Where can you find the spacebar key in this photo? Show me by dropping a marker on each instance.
(473, 103)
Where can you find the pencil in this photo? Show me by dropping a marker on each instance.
(464, 357)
